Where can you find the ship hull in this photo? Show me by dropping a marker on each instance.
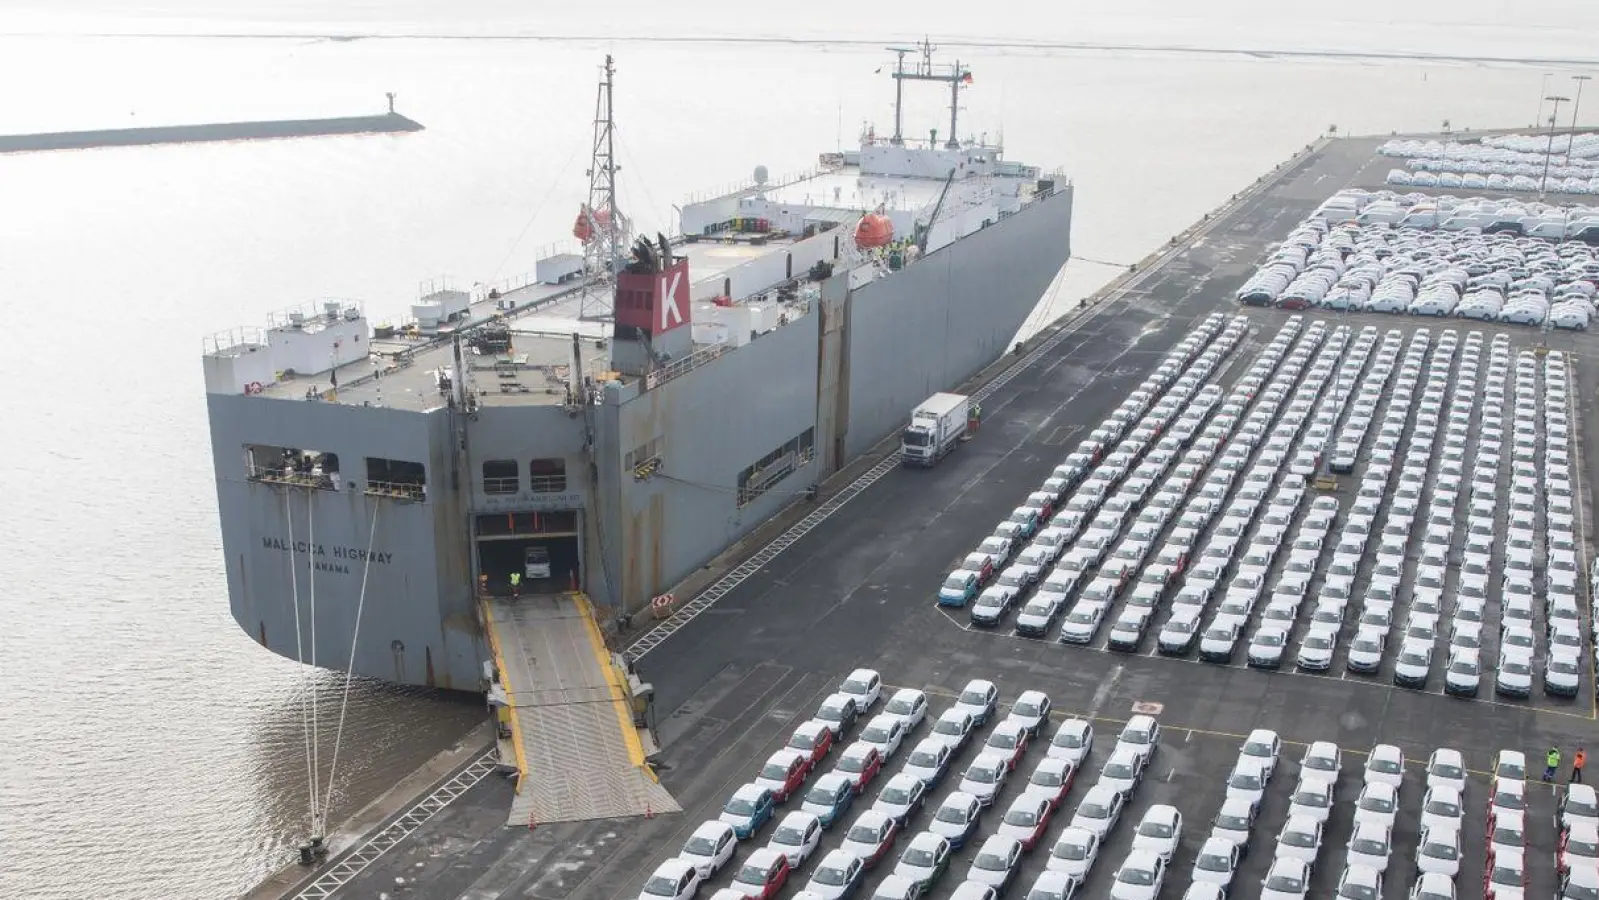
(385, 586)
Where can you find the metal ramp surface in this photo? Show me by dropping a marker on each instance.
(572, 726)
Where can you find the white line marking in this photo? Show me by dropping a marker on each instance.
(1105, 687)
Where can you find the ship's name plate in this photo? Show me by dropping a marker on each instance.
(329, 557)
(530, 502)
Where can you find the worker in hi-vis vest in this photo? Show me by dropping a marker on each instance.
(516, 584)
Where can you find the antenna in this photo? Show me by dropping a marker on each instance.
(608, 231)
(956, 77)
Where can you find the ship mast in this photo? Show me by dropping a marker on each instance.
(608, 232)
(956, 77)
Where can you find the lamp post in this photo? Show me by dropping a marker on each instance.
(1549, 149)
(1576, 105)
(1543, 93)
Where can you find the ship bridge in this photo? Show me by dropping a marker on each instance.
(569, 704)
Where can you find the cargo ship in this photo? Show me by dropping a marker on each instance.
(605, 426)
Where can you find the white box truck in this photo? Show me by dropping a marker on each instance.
(936, 426)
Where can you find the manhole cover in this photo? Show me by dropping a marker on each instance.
(1144, 708)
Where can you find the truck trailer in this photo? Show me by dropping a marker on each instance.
(936, 426)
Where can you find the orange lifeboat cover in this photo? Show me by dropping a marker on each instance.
(582, 230)
(874, 231)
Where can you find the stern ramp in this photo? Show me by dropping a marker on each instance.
(579, 755)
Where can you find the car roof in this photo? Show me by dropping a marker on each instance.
(673, 867)
(713, 828)
(832, 779)
(927, 839)
(861, 748)
(999, 843)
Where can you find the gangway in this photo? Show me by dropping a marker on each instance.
(579, 754)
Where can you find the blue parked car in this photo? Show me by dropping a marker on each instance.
(959, 588)
(957, 819)
(750, 807)
(830, 797)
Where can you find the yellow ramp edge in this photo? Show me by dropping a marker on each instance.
(510, 693)
(618, 687)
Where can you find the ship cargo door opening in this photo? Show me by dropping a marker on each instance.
(532, 544)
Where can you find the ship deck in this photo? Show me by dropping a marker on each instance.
(855, 590)
(403, 372)
(579, 755)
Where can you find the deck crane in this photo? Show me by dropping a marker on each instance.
(926, 230)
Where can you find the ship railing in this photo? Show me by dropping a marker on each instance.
(508, 485)
(683, 366)
(222, 343)
(547, 484)
(749, 184)
(315, 480)
(395, 490)
(313, 312)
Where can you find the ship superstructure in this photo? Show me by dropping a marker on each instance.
(386, 475)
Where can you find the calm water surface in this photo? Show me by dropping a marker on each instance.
(150, 749)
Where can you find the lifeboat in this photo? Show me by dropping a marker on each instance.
(583, 230)
(873, 232)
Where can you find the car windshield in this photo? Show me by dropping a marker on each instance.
(831, 712)
(1509, 876)
(1299, 838)
(1352, 891)
(1462, 667)
(752, 875)
(1137, 875)
(924, 759)
(896, 794)
(876, 734)
(661, 886)
(1093, 809)
(1385, 765)
(1232, 823)
(1270, 638)
(1369, 847)
(1156, 829)
(954, 583)
(974, 698)
(1071, 850)
(775, 771)
(1514, 666)
(951, 727)
(702, 846)
(1412, 658)
(833, 876)
(1033, 608)
(1081, 617)
(1026, 709)
(1311, 798)
(981, 775)
(1047, 778)
(953, 815)
(1509, 800)
(1069, 740)
(1214, 862)
(1579, 808)
(1508, 836)
(1117, 769)
(1279, 881)
(822, 795)
(1317, 642)
(1004, 740)
(864, 832)
(1439, 850)
(918, 856)
(1443, 807)
(993, 862)
(1245, 781)
(1024, 817)
(741, 806)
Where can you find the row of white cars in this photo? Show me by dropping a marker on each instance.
(1508, 149)
(1557, 182)
(1029, 547)
(1420, 269)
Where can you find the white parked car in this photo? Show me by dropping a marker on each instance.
(1160, 831)
(1287, 879)
(1074, 853)
(1370, 845)
(674, 879)
(1385, 765)
(710, 847)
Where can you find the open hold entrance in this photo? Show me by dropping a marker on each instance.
(544, 548)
